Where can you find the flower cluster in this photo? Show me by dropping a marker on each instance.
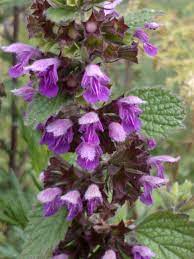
(112, 155)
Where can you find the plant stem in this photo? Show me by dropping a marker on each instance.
(14, 126)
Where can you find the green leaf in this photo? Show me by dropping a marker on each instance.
(13, 204)
(168, 235)
(41, 108)
(162, 113)
(138, 18)
(39, 154)
(43, 234)
(59, 15)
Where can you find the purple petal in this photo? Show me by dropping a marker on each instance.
(116, 132)
(89, 118)
(42, 64)
(95, 83)
(109, 7)
(150, 49)
(93, 197)
(48, 194)
(72, 200)
(18, 48)
(141, 35)
(149, 183)
(142, 252)
(151, 25)
(109, 254)
(26, 92)
(163, 158)
(59, 127)
(60, 256)
(52, 207)
(131, 100)
(88, 156)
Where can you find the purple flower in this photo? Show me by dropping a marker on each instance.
(23, 53)
(72, 201)
(151, 25)
(58, 135)
(27, 92)
(90, 123)
(129, 112)
(109, 254)
(95, 83)
(116, 132)
(93, 197)
(149, 183)
(109, 7)
(46, 70)
(60, 256)
(50, 198)
(142, 252)
(88, 155)
(157, 162)
(149, 48)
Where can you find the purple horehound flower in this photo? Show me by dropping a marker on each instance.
(151, 25)
(60, 256)
(149, 183)
(117, 132)
(109, 254)
(27, 92)
(89, 125)
(46, 70)
(129, 113)
(89, 150)
(149, 48)
(73, 202)
(109, 7)
(58, 135)
(88, 155)
(93, 197)
(142, 252)
(51, 200)
(157, 162)
(24, 53)
(95, 83)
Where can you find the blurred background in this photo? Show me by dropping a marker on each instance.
(22, 159)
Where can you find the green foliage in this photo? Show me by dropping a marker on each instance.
(179, 198)
(38, 154)
(43, 234)
(168, 235)
(13, 204)
(11, 3)
(59, 15)
(138, 18)
(41, 108)
(162, 113)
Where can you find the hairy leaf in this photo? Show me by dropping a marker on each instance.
(41, 108)
(44, 234)
(138, 18)
(59, 15)
(168, 235)
(162, 113)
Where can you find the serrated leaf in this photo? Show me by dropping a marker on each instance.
(41, 108)
(44, 234)
(138, 18)
(168, 235)
(59, 15)
(162, 113)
